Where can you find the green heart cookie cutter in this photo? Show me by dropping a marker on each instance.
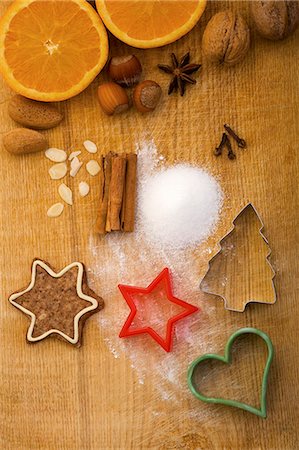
(227, 359)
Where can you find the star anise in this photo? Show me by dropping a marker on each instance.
(181, 72)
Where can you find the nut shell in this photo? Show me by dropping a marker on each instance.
(275, 20)
(226, 38)
(113, 98)
(22, 140)
(146, 96)
(33, 114)
(125, 70)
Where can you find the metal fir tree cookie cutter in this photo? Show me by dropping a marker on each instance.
(259, 288)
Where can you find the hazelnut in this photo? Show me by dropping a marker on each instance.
(146, 96)
(125, 70)
(275, 20)
(226, 38)
(113, 98)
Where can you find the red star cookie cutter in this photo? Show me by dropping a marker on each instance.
(128, 291)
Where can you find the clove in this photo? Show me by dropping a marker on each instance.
(230, 154)
(218, 150)
(240, 142)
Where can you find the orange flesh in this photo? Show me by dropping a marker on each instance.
(150, 19)
(57, 50)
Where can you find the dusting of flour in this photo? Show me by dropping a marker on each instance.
(129, 258)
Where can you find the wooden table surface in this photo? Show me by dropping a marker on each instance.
(110, 394)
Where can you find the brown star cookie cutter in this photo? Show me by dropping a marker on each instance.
(56, 302)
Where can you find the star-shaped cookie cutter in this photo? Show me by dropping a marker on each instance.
(129, 291)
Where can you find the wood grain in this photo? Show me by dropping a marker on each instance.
(53, 396)
(240, 272)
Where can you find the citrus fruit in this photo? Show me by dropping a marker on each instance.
(51, 50)
(150, 23)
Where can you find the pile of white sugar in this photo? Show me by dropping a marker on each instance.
(179, 206)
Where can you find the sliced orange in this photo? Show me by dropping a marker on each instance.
(150, 23)
(51, 50)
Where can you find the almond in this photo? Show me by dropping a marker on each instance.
(65, 193)
(83, 188)
(55, 210)
(33, 114)
(56, 155)
(90, 146)
(22, 140)
(93, 167)
(74, 154)
(75, 166)
(58, 171)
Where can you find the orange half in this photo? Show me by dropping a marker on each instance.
(51, 50)
(150, 23)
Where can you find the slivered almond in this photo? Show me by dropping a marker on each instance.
(93, 167)
(83, 188)
(65, 193)
(56, 155)
(90, 146)
(75, 166)
(58, 171)
(73, 154)
(55, 210)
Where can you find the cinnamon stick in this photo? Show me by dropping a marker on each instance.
(129, 196)
(118, 172)
(106, 165)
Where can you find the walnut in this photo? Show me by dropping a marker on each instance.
(275, 20)
(226, 38)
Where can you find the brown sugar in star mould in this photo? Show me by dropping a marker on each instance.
(57, 303)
